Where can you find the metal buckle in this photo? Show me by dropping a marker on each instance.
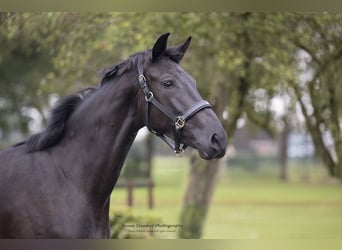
(149, 96)
(180, 122)
(179, 153)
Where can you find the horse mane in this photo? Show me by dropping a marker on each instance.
(120, 68)
(56, 123)
(171, 53)
(60, 114)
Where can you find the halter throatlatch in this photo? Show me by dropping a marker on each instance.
(178, 121)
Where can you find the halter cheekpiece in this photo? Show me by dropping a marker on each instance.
(178, 121)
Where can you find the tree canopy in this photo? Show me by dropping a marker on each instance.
(241, 62)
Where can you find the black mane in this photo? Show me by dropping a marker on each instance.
(112, 72)
(118, 69)
(56, 123)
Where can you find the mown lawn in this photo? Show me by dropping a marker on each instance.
(248, 205)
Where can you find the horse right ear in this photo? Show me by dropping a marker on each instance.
(159, 47)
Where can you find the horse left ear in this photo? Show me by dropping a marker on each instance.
(184, 46)
(180, 50)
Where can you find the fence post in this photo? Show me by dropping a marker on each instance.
(129, 184)
(150, 194)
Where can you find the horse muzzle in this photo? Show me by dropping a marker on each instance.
(216, 146)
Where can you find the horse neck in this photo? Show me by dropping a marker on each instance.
(102, 130)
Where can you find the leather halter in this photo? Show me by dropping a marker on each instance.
(178, 121)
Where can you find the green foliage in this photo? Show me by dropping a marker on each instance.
(319, 94)
(232, 56)
(241, 62)
(136, 165)
(23, 62)
(36, 54)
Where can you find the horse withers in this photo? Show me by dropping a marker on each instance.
(57, 184)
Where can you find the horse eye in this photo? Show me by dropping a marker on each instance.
(168, 84)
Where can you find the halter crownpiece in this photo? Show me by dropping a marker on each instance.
(178, 121)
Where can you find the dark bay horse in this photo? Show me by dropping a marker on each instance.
(57, 184)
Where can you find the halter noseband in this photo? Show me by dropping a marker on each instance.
(178, 121)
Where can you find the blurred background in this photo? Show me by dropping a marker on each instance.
(274, 80)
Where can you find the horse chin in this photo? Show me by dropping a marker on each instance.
(205, 156)
(210, 156)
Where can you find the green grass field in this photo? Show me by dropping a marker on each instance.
(248, 205)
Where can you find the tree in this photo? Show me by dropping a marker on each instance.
(36, 61)
(318, 39)
(23, 62)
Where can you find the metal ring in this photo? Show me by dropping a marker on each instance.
(149, 96)
(142, 78)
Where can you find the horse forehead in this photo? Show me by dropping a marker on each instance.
(165, 68)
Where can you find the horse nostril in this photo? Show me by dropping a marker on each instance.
(215, 143)
(218, 146)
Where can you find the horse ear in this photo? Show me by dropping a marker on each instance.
(184, 46)
(159, 47)
(180, 50)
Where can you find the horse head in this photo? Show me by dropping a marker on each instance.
(170, 105)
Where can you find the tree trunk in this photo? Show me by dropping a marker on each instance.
(150, 184)
(201, 184)
(149, 154)
(202, 178)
